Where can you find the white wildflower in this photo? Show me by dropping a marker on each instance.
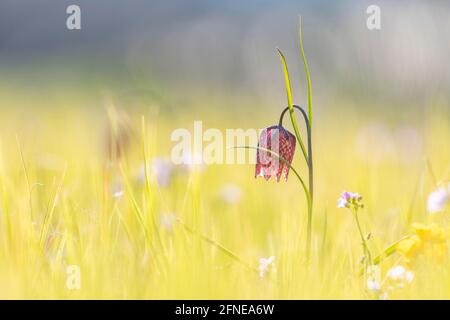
(118, 194)
(231, 194)
(167, 221)
(409, 276)
(266, 265)
(373, 278)
(193, 162)
(400, 275)
(397, 273)
(162, 170)
(117, 190)
(350, 200)
(373, 285)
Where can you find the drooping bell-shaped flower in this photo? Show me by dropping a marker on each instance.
(280, 142)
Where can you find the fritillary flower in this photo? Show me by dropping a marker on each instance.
(280, 142)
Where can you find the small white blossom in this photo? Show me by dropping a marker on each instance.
(193, 162)
(167, 221)
(118, 194)
(350, 200)
(266, 265)
(438, 199)
(342, 203)
(231, 194)
(162, 170)
(409, 276)
(117, 190)
(373, 285)
(373, 278)
(400, 275)
(396, 273)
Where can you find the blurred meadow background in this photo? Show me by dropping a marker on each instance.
(83, 112)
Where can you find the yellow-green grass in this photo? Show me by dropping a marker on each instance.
(57, 208)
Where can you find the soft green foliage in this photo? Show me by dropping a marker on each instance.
(309, 191)
(124, 250)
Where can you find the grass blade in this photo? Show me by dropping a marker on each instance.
(290, 104)
(308, 78)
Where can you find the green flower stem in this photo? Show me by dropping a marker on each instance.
(308, 119)
(290, 104)
(367, 254)
(309, 127)
(305, 63)
(310, 172)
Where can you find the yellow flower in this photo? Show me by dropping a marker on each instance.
(428, 240)
(409, 248)
(432, 233)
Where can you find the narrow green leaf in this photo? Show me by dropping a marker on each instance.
(386, 253)
(305, 63)
(290, 104)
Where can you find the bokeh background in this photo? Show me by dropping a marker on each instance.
(228, 48)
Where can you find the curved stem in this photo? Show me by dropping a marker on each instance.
(308, 120)
(290, 104)
(305, 116)
(310, 164)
